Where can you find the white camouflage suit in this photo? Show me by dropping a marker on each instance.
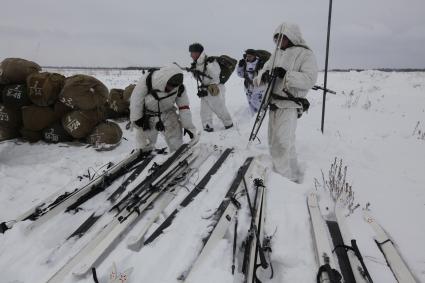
(254, 94)
(172, 121)
(301, 75)
(212, 103)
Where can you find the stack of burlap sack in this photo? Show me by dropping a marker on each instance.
(46, 106)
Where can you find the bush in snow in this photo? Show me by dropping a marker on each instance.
(336, 184)
(420, 134)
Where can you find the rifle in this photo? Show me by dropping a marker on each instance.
(317, 87)
(195, 72)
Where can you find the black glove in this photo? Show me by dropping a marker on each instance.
(186, 131)
(265, 77)
(241, 63)
(279, 72)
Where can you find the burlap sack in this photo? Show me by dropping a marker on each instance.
(7, 133)
(44, 88)
(10, 118)
(36, 118)
(82, 92)
(56, 133)
(61, 109)
(79, 124)
(117, 103)
(105, 136)
(128, 91)
(16, 70)
(31, 136)
(1, 92)
(15, 96)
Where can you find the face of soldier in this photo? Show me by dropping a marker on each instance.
(169, 88)
(284, 41)
(250, 58)
(195, 55)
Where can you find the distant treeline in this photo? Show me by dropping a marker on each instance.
(150, 67)
(380, 69)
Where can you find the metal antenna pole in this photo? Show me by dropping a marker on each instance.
(326, 65)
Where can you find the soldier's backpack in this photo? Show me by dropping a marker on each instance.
(82, 92)
(227, 66)
(56, 133)
(44, 88)
(16, 70)
(79, 124)
(36, 118)
(105, 136)
(15, 96)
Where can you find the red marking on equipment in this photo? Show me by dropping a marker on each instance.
(184, 107)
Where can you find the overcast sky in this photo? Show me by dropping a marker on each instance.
(365, 33)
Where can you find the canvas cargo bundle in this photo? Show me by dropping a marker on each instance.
(10, 118)
(56, 133)
(36, 118)
(61, 109)
(80, 123)
(16, 70)
(106, 135)
(15, 96)
(44, 88)
(82, 92)
(7, 133)
(117, 102)
(128, 91)
(31, 136)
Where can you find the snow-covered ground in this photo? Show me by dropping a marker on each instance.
(375, 124)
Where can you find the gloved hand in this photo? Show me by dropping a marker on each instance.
(139, 123)
(265, 77)
(190, 132)
(213, 89)
(279, 72)
(241, 63)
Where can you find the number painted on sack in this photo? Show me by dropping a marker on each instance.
(37, 91)
(73, 124)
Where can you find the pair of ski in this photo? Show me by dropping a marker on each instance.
(350, 265)
(225, 214)
(128, 209)
(71, 200)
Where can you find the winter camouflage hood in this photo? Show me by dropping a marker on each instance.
(161, 76)
(292, 31)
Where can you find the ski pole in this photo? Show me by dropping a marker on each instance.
(235, 237)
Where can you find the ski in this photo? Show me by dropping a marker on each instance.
(395, 261)
(127, 211)
(328, 270)
(156, 171)
(135, 242)
(131, 213)
(346, 248)
(254, 256)
(57, 203)
(190, 197)
(221, 220)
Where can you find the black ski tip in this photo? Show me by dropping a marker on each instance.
(3, 227)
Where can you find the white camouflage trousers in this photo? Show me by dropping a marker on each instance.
(255, 96)
(173, 133)
(215, 104)
(281, 132)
